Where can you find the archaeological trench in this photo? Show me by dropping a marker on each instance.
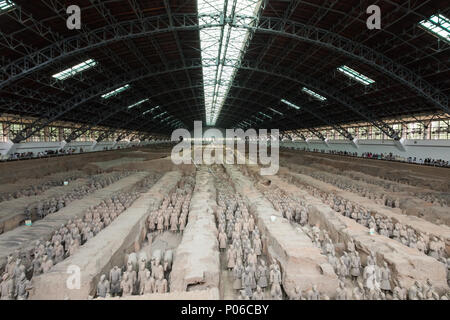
(132, 225)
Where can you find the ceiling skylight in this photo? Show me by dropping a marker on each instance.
(438, 25)
(355, 75)
(290, 104)
(160, 115)
(70, 72)
(265, 115)
(138, 103)
(276, 111)
(6, 5)
(115, 92)
(220, 44)
(150, 110)
(314, 94)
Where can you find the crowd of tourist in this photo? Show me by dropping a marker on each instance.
(387, 156)
(42, 154)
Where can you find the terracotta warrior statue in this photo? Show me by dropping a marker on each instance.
(148, 284)
(115, 277)
(103, 288)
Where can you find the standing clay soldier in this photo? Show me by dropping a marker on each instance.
(148, 285)
(46, 264)
(103, 288)
(398, 294)
(132, 277)
(313, 294)
(358, 292)
(59, 252)
(36, 265)
(351, 246)
(257, 245)
(174, 223)
(18, 269)
(276, 280)
(237, 274)
(115, 277)
(385, 278)
(22, 287)
(298, 295)
(7, 287)
(142, 273)
(247, 282)
(355, 270)
(231, 255)
(222, 241)
(413, 292)
(341, 292)
(258, 294)
(126, 285)
(161, 284)
(261, 275)
(10, 265)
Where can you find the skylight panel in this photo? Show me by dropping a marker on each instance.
(259, 119)
(70, 72)
(265, 115)
(137, 103)
(166, 119)
(313, 94)
(6, 5)
(224, 45)
(150, 110)
(290, 104)
(355, 75)
(276, 111)
(115, 92)
(160, 115)
(438, 25)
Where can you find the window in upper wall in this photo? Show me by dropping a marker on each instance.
(377, 134)
(14, 129)
(398, 128)
(53, 134)
(415, 131)
(363, 133)
(38, 136)
(2, 136)
(440, 130)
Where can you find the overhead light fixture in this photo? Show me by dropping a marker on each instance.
(115, 92)
(70, 72)
(355, 75)
(438, 25)
(313, 94)
(137, 103)
(290, 104)
(222, 44)
(6, 5)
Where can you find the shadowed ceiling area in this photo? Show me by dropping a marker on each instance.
(154, 66)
